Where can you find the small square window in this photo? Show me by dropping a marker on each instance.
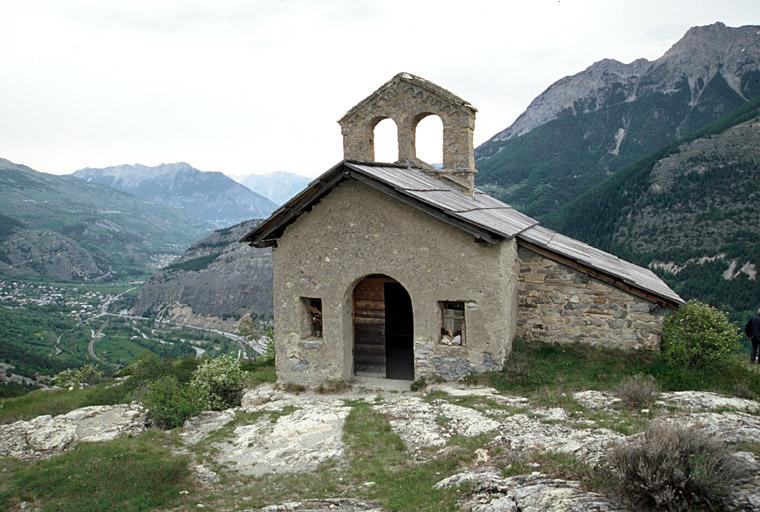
(312, 324)
(452, 323)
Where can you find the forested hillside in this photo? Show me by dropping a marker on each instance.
(586, 127)
(690, 212)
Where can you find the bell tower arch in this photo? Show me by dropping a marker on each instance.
(407, 99)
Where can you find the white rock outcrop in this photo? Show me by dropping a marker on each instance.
(706, 400)
(327, 505)
(526, 493)
(198, 427)
(45, 436)
(422, 424)
(596, 400)
(523, 433)
(295, 442)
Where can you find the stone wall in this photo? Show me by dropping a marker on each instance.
(561, 305)
(356, 231)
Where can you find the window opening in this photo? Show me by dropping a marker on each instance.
(313, 317)
(452, 323)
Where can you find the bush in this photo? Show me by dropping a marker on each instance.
(145, 368)
(637, 391)
(86, 375)
(170, 403)
(672, 468)
(699, 337)
(219, 383)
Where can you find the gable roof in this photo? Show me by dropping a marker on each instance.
(486, 218)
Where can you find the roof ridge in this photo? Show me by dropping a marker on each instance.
(416, 81)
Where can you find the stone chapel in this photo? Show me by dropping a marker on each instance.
(403, 270)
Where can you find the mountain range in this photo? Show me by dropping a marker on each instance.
(656, 161)
(212, 197)
(689, 212)
(586, 127)
(278, 187)
(62, 228)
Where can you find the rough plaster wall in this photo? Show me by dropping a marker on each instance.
(356, 231)
(561, 305)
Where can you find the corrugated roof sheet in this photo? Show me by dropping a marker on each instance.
(479, 209)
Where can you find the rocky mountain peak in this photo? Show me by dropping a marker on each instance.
(706, 51)
(566, 92)
(211, 196)
(701, 54)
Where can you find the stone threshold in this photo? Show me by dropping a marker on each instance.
(380, 383)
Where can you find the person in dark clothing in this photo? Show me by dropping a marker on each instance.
(752, 330)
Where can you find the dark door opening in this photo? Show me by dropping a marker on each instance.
(399, 329)
(383, 329)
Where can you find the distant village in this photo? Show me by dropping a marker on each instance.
(74, 302)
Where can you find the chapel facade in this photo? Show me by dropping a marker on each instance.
(403, 270)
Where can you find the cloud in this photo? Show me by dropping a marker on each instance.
(256, 85)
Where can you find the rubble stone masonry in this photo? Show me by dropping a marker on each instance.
(558, 304)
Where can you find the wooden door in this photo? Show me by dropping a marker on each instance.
(369, 327)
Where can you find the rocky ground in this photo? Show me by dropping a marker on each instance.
(45, 436)
(275, 434)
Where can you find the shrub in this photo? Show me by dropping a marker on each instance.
(637, 391)
(699, 337)
(145, 368)
(672, 468)
(219, 383)
(267, 358)
(170, 403)
(418, 384)
(86, 375)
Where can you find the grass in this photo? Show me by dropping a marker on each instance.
(545, 372)
(57, 402)
(378, 455)
(261, 375)
(626, 422)
(128, 474)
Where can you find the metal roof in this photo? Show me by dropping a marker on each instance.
(479, 214)
(597, 259)
(479, 208)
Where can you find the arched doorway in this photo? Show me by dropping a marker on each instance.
(383, 329)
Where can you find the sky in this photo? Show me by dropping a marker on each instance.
(257, 86)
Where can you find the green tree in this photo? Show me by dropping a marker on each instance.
(219, 383)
